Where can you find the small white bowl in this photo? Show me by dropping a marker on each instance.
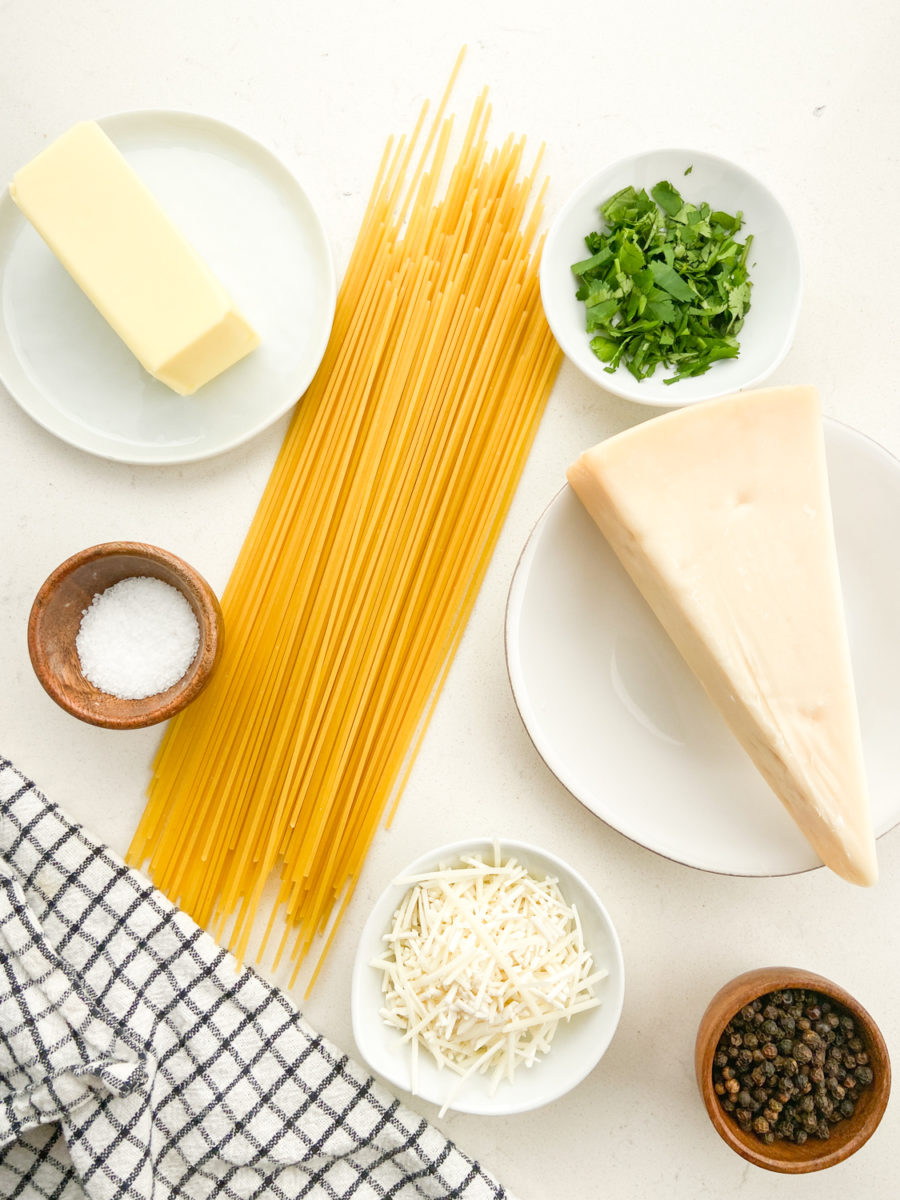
(775, 272)
(577, 1046)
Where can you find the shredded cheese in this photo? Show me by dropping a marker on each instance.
(481, 964)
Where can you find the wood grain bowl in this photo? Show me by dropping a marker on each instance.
(55, 619)
(847, 1136)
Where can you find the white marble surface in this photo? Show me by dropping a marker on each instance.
(804, 94)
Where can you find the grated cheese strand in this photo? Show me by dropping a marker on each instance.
(481, 964)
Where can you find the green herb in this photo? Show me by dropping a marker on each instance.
(666, 283)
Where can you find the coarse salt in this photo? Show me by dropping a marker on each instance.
(137, 638)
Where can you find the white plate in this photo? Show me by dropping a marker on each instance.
(622, 722)
(775, 272)
(577, 1046)
(254, 225)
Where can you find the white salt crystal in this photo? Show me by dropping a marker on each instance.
(137, 638)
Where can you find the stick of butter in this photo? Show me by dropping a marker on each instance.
(721, 515)
(136, 267)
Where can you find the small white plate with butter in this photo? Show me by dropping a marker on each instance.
(260, 234)
(623, 723)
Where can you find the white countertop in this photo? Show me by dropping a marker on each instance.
(807, 96)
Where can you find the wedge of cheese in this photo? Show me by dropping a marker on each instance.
(721, 515)
(130, 260)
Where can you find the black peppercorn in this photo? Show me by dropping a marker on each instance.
(789, 1065)
(825, 1104)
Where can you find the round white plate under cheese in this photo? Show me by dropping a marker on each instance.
(623, 723)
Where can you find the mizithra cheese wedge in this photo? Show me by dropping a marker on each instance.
(721, 515)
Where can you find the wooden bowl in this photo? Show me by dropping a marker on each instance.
(847, 1135)
(56, 618)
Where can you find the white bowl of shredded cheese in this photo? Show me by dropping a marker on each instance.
(488, 978)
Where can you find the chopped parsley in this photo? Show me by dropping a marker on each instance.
(666, 283)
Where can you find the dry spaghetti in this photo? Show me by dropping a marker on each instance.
(363, 561)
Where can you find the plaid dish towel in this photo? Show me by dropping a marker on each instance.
(137, 1063)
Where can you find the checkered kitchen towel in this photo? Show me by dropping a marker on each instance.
(136, 1063)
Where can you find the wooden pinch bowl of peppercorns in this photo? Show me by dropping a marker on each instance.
(794, 1072)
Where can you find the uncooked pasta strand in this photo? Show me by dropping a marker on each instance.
(364, 558)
